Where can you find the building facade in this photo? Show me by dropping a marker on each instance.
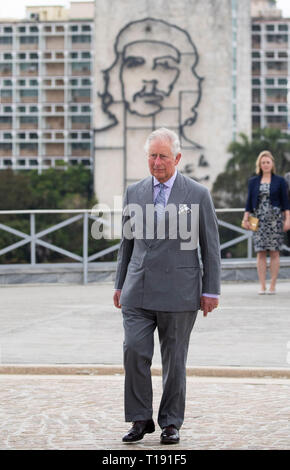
(183, 65)
(270, 67)
(46, 66)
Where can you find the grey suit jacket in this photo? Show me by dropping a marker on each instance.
(157, 274)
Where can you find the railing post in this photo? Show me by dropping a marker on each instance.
(32, 244)
(85, 248)
(250, 253)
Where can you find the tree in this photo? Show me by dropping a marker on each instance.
(53, 189)
(230, 187)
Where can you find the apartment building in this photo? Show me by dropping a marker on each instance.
(270, 66)
(46, 66)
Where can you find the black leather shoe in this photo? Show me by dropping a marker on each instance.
(139, 428)
(169, 435)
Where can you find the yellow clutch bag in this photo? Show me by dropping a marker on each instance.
(254, 223)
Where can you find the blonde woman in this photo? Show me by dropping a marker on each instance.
(268, 200)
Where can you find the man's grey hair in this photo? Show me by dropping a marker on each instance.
(164, 134)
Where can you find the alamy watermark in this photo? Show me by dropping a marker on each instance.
(177, 222)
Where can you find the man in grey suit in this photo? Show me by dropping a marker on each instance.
(159, 282)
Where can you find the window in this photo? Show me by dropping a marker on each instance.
(33, 29)
(5, 120)
(86, 27)
(81, 38)
(28, 120)
(74, 55)
(81, 93)
(7, 109)
(73, 109)
(28, 93)
(7, 82)
(270, 54)
(28, 40)
(282, 81)
(6, 69)
(270, 109)
(278, 38)
(86, 55)
(277, 119)
(33, 82)
(33, 55)
(256, 96)
(282, 55)
(283, 27)
(8, 29)
(21, 29)
(81, 66)
(21, 82)
(81, 119)
(28, 67)
(6, 147)
(7, 136)
(28, 147)
(270, 27)
(74, 28)
(5, 39)
(74, 82)
(33, 109)
(6, 94)
(22, 56)
(256, 68)
(256, 27)
(80, 146)
(256, 55)
(282, 109)
(281, 66)
(21, 109)
(86, 109)
(7, 56)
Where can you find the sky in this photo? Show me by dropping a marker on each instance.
(16, 8)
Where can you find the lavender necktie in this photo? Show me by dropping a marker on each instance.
(159, 202)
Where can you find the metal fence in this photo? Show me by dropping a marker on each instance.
(36, 238)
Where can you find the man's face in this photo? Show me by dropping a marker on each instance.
(161, 160)
(148, 73)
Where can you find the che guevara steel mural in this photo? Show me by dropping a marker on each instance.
(154, 78)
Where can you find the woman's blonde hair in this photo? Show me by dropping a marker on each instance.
(264, 153)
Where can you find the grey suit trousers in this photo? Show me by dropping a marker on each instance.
(174, 332)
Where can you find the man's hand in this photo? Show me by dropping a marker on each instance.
(116, 298)
(207, 304)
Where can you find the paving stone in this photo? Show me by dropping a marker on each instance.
(77, 412)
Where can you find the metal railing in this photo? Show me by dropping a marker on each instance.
(35, 238)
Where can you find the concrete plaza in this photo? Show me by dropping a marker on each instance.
(54, 327)
(77, 324)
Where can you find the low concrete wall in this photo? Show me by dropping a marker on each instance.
(72, 273)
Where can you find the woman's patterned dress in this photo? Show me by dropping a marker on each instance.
(270, 235)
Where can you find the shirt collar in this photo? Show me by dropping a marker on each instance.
(168, 183)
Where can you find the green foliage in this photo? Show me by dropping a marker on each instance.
(231, 187)
(53, 189)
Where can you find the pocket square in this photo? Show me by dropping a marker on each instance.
(183, 209)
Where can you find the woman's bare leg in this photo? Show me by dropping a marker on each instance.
(262, 268)
(274, 268)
